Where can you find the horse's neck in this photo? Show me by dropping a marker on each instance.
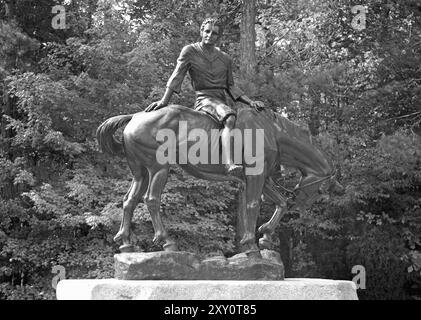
(295, 145)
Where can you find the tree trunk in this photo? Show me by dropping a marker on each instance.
(6, 110)
(9, 9)
(285, 249)
(239, 232)
(314, 121)
(6, 104)
(248, 63)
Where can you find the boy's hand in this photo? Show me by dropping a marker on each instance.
(257, 105)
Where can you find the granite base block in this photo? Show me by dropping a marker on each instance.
(288, 289)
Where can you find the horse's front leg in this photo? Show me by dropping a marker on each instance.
(268, 228)
(266, 242)
(254, 186)
(157, 180)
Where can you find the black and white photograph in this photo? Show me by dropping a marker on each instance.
(212, 157)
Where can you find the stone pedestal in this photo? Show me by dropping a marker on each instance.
(184, 276)
(288, 289)
(188, 266)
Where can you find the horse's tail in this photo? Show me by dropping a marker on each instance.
(105, 134)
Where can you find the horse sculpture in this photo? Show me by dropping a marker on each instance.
(285, 143)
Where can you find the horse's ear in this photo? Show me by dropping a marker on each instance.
(339, 189)
(416, 128)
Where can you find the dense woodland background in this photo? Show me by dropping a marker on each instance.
(357, 90)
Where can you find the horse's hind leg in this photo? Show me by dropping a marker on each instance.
(157, 180)
(130, 201)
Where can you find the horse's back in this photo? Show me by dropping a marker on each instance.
(172, 116)
(174, 112)
(147, 128)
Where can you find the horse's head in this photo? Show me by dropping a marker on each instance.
(311, 188)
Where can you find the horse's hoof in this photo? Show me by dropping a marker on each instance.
(126, 248)
(170, 247)
(253, 254)
(158, 238)
(248, 239)
(265, 244)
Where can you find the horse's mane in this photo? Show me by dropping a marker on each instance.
(292, 129)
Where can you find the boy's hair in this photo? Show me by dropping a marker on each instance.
(214, 21)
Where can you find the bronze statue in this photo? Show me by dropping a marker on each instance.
(280, 142)
(285, 143)
(211, 75)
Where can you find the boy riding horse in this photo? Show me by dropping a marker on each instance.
(210, 71)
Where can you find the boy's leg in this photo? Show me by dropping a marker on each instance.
(232, 169)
